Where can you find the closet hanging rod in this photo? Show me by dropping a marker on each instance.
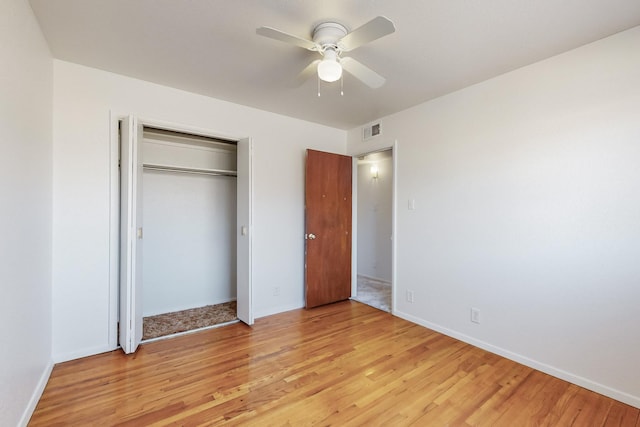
(195, 171)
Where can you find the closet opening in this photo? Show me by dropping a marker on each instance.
(189, 217)
(185, 221)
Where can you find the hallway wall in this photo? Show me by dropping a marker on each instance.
(374, 218)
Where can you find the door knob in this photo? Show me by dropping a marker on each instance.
(311, 236)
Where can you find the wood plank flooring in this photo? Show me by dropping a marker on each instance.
(343, 364)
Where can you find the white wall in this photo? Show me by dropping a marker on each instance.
(25, 212)
(527, 207)
(374, 217)
(83, 98)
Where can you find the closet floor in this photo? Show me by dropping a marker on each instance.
(187, 320)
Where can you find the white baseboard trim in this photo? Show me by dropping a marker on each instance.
(276, 310)
(191, 331)
(65, 357)
(547, 369)
(37, 393)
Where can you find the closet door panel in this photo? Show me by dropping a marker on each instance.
(244, 230)
(131, 234)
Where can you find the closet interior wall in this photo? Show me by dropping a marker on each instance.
(189, 220)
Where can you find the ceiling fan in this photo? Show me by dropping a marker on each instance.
(330, 40)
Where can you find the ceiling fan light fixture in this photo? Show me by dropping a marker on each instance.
(329, 69)
(331, 39)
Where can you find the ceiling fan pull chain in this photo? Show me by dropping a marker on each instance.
(318, 77)
(342, 85)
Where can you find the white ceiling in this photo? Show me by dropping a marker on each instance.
(210, 46)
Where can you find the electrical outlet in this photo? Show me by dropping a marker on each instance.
(276, 291)
(409, 296)
(475, 315)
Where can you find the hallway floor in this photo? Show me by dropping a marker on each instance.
(373, 292)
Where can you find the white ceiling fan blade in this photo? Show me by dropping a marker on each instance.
(363, 73)
(309, 70)
(372, 30)
(272, 33)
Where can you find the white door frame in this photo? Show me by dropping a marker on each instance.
(354, 233)
(114, 208)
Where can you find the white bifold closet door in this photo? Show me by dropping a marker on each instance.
(243, 259)
(130, 234)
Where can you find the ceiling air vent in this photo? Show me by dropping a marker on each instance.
(370, 131)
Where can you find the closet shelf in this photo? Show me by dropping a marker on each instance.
(197, 171)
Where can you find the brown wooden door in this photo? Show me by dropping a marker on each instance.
(328, 228)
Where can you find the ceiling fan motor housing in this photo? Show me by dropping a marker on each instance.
(327, 35)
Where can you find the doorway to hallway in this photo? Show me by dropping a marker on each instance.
(374, 219)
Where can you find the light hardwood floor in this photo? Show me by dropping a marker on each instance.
(341, 364)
